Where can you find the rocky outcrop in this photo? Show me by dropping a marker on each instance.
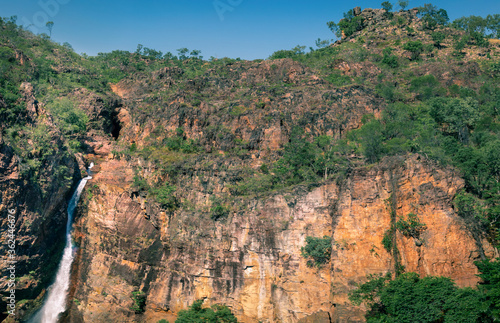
(177, 138)
(38, 206)
(420, 187)
(253, 261)
(259, 116)
(101, 111)
(372, 19)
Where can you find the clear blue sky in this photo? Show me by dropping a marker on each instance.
(248, 29)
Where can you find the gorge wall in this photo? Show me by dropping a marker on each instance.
(176, 138)
(253, 262)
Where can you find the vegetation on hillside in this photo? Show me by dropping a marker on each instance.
(410, 298)
(438, 84)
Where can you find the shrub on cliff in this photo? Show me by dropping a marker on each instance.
(165, 195)
(197, 314)
(298, 163)
(319, 249)
(139, 298)
(438, 38)
(218, 210)
(410, 226)
(389, 59)
(427, 87)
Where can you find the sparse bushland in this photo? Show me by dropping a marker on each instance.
(420, 117)
(436, 86)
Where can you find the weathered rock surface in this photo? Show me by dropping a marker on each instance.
(253, 262)
(38, 203)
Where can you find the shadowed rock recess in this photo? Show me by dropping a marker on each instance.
(211, 176)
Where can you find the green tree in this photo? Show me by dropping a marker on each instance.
(432, 16)
(490, 285)
(348, 26)
(460, 115)
(409, 298)
(68, 46)
(370, 136)
(165, 195)
(488, 27)
(139, 49)
(71, 120)
(182, 53)
(427, 87)
(322, 43)
(464, 306)
(139, 298)
(387, 6)
(493, 25)
(196, 53)
(477, 28)
(438, 37)
(151, 53)
(50, 25)
(292, 53)
(415, 47)
(299, 161)
(389, 59)
(403, 4)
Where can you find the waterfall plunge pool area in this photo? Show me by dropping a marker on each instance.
(55, 302)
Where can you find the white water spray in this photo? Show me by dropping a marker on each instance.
(55, 303)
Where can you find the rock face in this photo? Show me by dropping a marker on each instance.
(373, 18)
(261, 118)
(253, 262)
(38, 203)
(170, 142)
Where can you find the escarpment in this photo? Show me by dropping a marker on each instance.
(273, 187)
(252, 262)
(249, 257)
(36, 196)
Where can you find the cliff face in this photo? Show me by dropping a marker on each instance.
(37, 196)
(244, 101)
(445, 248)
(253, 262)
(178, 138)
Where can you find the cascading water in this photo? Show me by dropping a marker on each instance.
(55, 303)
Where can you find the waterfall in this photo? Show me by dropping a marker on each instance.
(55, 302)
